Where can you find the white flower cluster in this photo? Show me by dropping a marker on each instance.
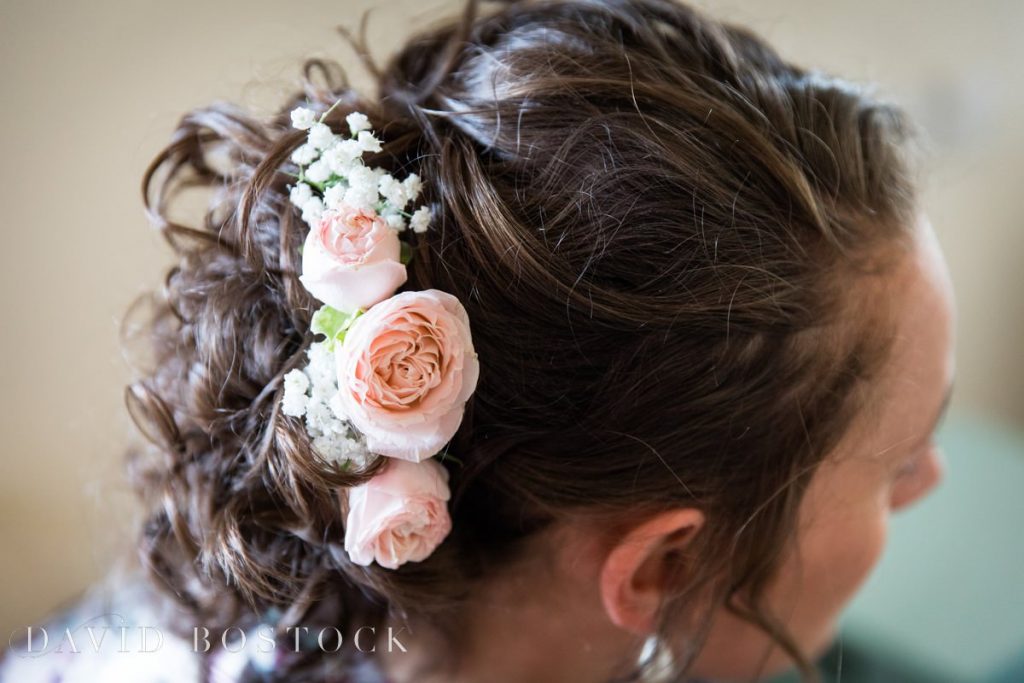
(308, 392)
(332, 172)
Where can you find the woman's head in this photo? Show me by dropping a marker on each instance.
(688, 267)
(886, 461)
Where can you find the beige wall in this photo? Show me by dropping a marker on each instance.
(92, 91)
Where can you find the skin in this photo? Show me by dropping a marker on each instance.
(573, 609)
(888, 462)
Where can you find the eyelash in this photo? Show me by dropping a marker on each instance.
(911, 465)
(907, 469)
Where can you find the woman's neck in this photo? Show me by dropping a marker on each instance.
(535, 626)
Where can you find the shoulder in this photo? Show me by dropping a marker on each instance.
(111, 632)
(119, 630)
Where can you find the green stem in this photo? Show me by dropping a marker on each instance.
(329, 110)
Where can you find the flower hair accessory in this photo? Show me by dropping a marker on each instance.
(394, 371)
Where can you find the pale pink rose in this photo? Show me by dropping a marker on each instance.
(352, 259)
(398, 516)
(405, 371)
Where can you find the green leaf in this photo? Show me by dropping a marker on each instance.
(406, 254)
(333, 324)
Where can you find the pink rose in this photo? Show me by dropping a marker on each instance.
(352, 259)
(405, 371)
(398, 516)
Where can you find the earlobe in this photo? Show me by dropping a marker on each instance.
(636, 571)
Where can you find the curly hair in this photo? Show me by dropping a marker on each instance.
(655, 224)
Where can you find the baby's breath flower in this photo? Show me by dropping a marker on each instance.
(321, 136)
(319, 417)
(318, 171)
(312, 211)
(359, 198)
(420, 220)
(312, 392)
(368, 141)
(304, 154)
(323, 390)
(363, 177)
(357, 122)
(303, 118)
(343, 155)
(362, 190)
(295, 400)
(321, 364)
(392, 190)
(300, 194)
(339, 448)
(413, 185)
(396, 221)
(334, 195)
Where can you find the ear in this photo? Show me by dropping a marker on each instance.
(637, 571)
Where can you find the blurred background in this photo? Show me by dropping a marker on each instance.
(93, 90)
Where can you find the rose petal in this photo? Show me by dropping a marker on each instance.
(405, 371)
(352, 260)
(398, 516)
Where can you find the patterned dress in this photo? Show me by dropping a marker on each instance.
(114, 632)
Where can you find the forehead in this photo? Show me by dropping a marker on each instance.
(925, 313)
(910, 390)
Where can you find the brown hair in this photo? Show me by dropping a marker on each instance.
(654, 223)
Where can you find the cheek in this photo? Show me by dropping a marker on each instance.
(842, 534)
(835, 553)
(843, 529)
(838, 556)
